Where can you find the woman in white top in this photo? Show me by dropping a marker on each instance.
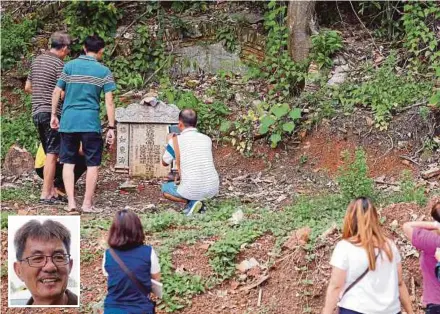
(367, 270)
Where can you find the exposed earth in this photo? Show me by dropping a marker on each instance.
(294, 284)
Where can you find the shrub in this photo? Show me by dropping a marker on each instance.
(324, 45)
(353, 177)
(15, 39)
(19, 129)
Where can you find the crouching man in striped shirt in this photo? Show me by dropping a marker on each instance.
(198, 178)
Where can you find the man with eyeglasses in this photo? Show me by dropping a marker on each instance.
(44, 263)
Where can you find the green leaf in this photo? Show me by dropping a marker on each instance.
(225, 126)
(288, 126)
(275, 139)
(435, 99)
(295, 114)
(280, 110)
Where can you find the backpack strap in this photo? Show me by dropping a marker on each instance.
(132, 277)
(357, 280)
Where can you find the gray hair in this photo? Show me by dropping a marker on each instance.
(45, 231)
(59, 40)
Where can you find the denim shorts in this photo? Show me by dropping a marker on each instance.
(171, 188)
(50, 138)
(92, 146)
(432, 309)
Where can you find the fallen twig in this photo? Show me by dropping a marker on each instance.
(410, 159)
(255, 284)
(413, 106)
(385, 183)
(389, 150)
(259, 297)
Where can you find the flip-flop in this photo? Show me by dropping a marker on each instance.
(46, 201)
(60, 199)
(91, 210)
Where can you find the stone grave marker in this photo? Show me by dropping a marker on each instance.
(141, 138)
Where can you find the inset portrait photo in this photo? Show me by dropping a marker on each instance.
(43, 261)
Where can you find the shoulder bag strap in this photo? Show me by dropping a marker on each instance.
(177, 152)
(357, 280)
(129, 273)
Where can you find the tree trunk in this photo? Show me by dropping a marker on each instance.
(299, 23)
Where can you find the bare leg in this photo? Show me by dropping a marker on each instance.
(69, 184)
(174, 198)
(48, 176)
(91, 179)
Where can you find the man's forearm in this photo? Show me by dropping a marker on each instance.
(111, 114)
(55, 98)
(110, 108)
(28, 87)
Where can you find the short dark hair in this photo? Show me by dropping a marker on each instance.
(126, 231)
(94, 43)
(188, 117)
(435, 209)
(47, 230)
(59, 40)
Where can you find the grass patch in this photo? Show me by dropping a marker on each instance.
(21, 194)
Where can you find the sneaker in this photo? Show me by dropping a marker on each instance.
(186, 210)
(195, 208)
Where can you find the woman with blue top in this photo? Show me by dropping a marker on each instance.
(130, 265)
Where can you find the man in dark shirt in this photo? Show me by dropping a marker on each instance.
(43, 76)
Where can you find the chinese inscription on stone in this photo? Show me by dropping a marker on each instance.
(141, 134)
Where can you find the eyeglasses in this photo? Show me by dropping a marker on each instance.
(41, 260)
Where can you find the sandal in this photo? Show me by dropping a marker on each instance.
(91, 210)
(60, 199)
(46, 201)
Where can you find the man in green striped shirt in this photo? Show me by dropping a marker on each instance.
(83, 80)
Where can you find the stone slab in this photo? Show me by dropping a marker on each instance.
(137, 113)
(147, 146)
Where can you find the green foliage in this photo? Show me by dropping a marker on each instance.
(278, 121)
(84, 18)
(19, 128)
(410, 191)
(4, 218)
(191, 7)
(353, 177)
(15, 39)
(210, 116)
(4, 268)
(177, 287)
(324, 45)
(21, 194)
(420, 20)
(222, 252)
(277, 68)
(383, 92)
(147, 56)
(227, 34)
(241, 131)
(435, 99)
(383, 17)
(157, 223)
(88, 255)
